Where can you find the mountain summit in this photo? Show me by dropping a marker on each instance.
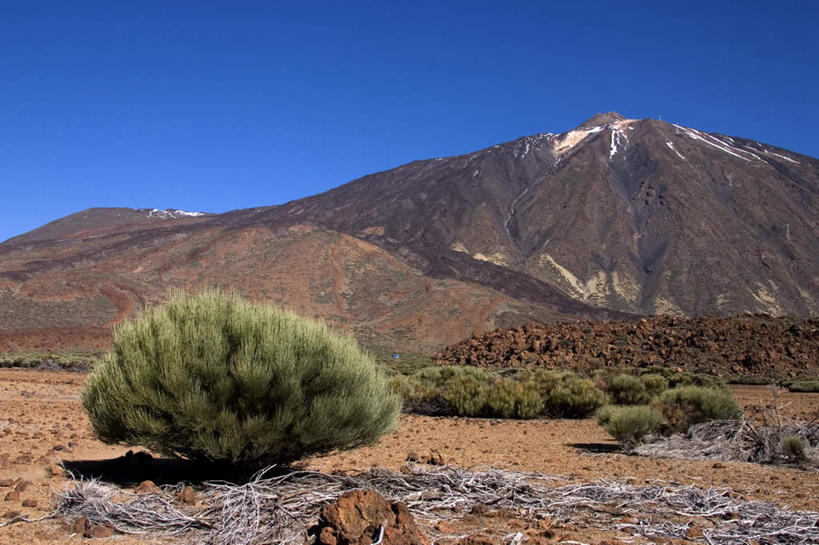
(613, 219)
(600, 119)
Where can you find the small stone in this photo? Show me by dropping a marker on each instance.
(6, 483)
(436, 458)
(98, 531)
(328, 536)
(148, 487)
(693, 532)
(187, 496)
(78, 527)
(29, 502)
(12, 496)
(21, 486)
(480, 538)
(11, 514)
(718, 465)
(56, 471)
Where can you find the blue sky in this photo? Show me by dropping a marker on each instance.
(222, 105)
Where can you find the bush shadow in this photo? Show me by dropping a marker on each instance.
(136, 467)
(597, 448)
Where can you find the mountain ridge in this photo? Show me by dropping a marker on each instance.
(614, 219)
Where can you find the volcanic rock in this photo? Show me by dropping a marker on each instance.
(363, 517)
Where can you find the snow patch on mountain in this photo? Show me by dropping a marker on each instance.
(171, 213)
(715, 142)
(769, 152)
(671, 147)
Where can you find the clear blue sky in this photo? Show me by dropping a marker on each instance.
(221, 105)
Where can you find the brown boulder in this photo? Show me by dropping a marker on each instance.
(86, 528)
(147, 487)
(364, 517)
(187, 496)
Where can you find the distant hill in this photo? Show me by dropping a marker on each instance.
(615, 219)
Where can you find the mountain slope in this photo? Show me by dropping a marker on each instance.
(636, 215)
(612, 219)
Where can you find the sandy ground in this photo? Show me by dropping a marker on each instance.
(42, 422)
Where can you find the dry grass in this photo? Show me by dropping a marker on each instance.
(281, 509)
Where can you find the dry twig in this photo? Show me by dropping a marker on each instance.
(282, 508)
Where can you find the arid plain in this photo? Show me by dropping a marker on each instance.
(43, 423)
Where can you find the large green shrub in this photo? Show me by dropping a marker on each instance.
(629, 424)
(214, 377)
(688, 405)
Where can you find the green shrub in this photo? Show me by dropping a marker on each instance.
(654, 384)
(804, 386)
(794, 447)
(629, 424)
(628, 390)
(604, 413)
(213, 377)
(468, 394)
(511, 399)
(572, 397)
(688, 405)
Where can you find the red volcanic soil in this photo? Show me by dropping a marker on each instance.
(43, 422)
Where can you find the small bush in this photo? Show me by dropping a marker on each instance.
(804, 386)
(688, 405)
(794, 447)
(630, 424)
(628, 390)
(469, 395)
(573, 397)
(654, 384)
(512, 399)
(213, 377)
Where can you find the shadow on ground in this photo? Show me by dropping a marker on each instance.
(597, 448)
(134, 468)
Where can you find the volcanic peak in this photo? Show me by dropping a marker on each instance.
(600, 119)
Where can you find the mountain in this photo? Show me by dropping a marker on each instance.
(613, 219)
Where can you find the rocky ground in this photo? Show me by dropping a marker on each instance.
(738, 346)
(42, 422)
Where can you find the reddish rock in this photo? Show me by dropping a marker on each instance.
(21, 486)
(78, 525)
(29, 502)
(481, 538)
(11, 515)
(694, 532)
(98, 531)
(6, 483)
(12, 496)
(86, 528)
(187, 496)
(361, 517)
(147, 487)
